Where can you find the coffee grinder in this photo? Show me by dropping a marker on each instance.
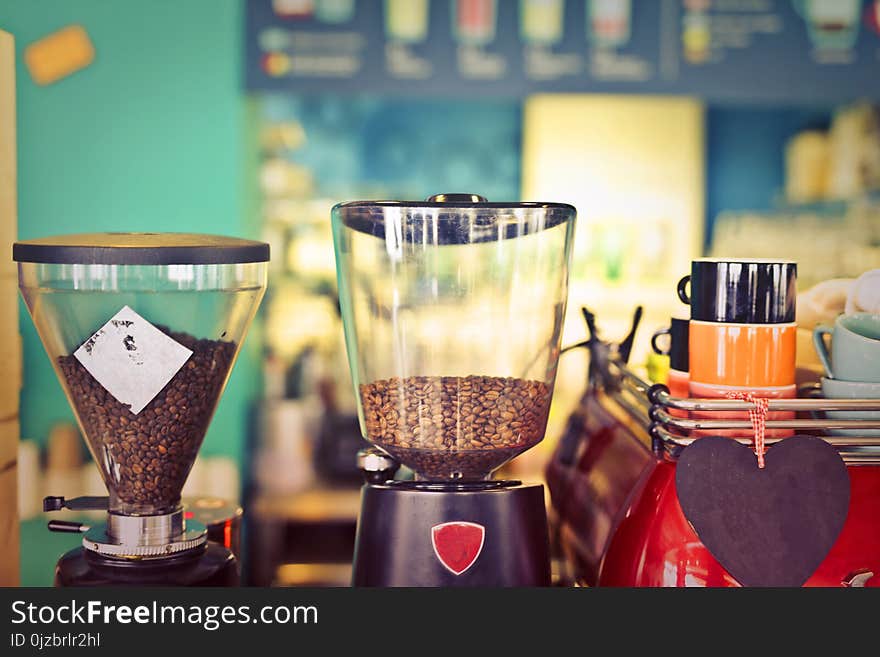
(453, 311)
(143, 330)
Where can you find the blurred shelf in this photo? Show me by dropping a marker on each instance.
(829, 207)
(313, 574)
(310, 506)
(304, 538)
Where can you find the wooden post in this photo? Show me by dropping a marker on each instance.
(10, 340)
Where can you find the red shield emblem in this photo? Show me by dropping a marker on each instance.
(458, 544)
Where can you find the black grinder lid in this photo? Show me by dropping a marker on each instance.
(140, 249)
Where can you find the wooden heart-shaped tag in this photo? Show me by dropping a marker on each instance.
(768, 526)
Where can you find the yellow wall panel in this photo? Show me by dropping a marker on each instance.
(7, 152)
(10, 348)
(633, 166)
(9, 540)
(10, 343)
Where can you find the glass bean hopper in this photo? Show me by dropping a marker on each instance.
(453, 312)
(143, 330)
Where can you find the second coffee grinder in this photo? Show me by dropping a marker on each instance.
(453, 311)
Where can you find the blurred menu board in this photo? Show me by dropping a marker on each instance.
(721, 50)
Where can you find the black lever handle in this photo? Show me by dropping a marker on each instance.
(66, 527)
(590, 319)
(592, 334)
(86, 503)
(625, 347)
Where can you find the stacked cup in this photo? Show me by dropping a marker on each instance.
(742, 332)
(677, 379)
(853, 367)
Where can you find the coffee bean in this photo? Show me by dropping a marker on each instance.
(455, 427)
(145, 458)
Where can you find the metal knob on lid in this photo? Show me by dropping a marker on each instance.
(456, 198)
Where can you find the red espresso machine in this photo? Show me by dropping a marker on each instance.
(616, 518)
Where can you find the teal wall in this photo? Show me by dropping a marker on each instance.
(152, 136)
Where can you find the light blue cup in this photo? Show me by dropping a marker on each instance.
(855, 348)
(834, 389)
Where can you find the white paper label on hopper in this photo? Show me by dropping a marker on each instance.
(132, 359)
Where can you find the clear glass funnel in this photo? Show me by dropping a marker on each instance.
(142, 330)
(453, 312)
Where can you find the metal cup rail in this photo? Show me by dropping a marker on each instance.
(650, 405)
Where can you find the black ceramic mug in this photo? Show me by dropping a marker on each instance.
(678, 379)
(678, 344)
(741, 291)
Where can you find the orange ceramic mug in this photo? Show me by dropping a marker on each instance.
(744, 355)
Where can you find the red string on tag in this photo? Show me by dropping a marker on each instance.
(758, 416)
